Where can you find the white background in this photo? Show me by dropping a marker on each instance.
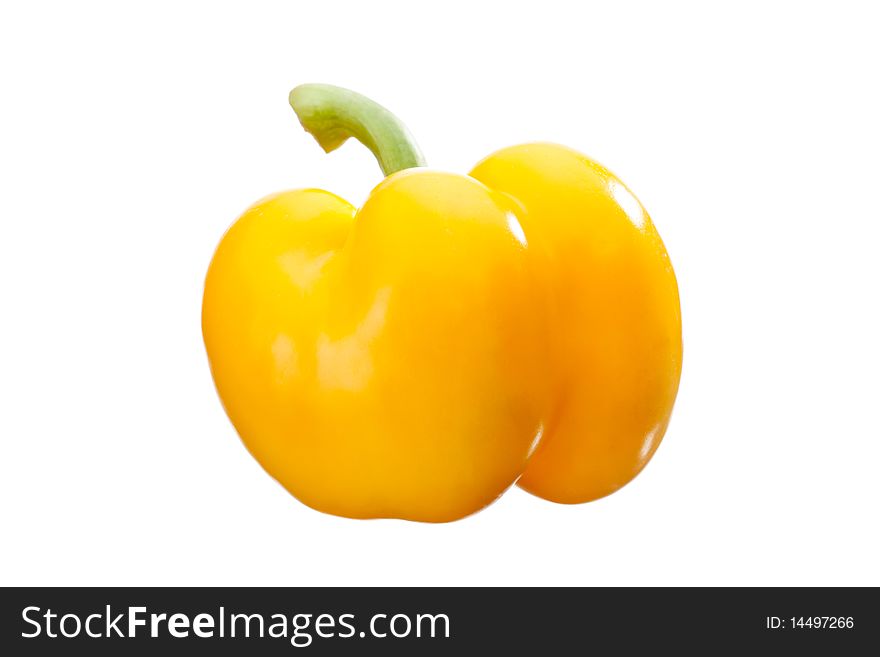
(132, 135)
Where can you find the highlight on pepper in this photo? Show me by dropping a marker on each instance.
(415, 357)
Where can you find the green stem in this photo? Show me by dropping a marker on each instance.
(333, 114)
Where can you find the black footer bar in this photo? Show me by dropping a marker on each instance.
(429, 621)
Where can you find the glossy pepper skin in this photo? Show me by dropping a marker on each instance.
(414, 358)
(617, 328)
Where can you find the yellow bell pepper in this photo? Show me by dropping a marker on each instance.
(409, 358)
